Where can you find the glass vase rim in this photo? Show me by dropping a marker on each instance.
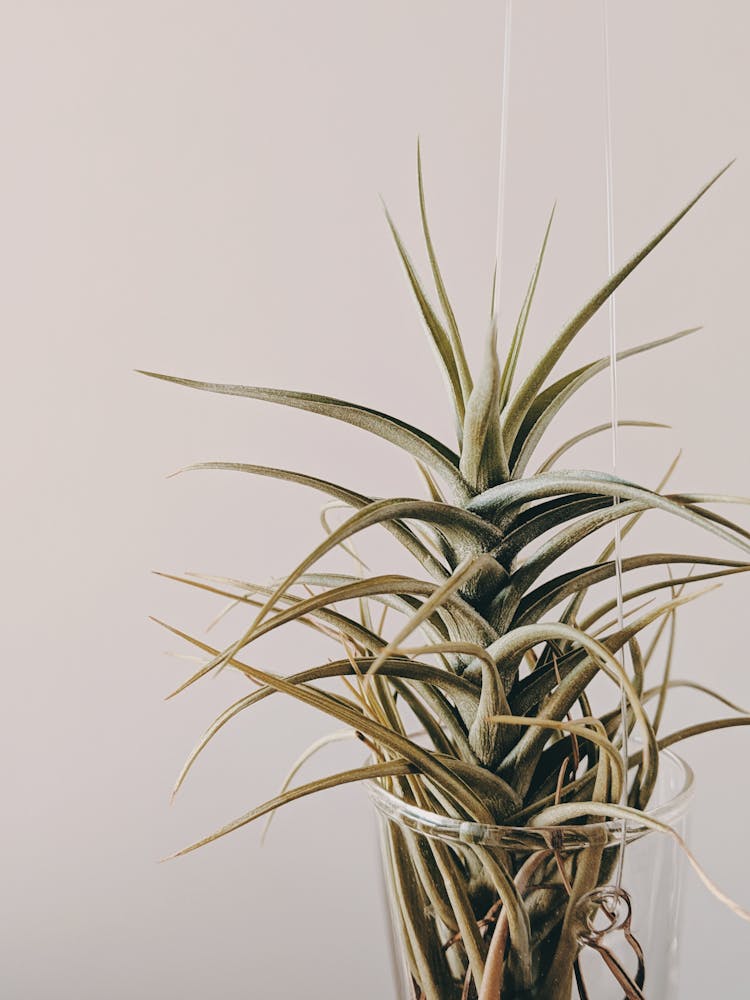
(570, 837)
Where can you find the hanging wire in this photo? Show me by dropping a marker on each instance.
(503, 155)
(611, 901)
(614, 402)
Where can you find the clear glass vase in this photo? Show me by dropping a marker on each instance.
(455, 939)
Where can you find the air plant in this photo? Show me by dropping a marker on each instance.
(495, 650)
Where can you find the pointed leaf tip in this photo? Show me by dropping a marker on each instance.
(519, 406)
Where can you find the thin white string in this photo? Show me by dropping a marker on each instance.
(503, 154)
(614, 402)
(613, 368)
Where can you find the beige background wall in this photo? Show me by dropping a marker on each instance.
(192, 187)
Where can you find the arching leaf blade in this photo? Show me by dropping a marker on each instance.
(525, 396)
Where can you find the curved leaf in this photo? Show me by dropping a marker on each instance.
(558, 453)
(540, 601)
(525, 396)
(532, 689)
(464, 694)
(421, 445)
(440, 339)
(483, 459)
(459, 357)
(337, 708)
(511, 361)
(356, 500)
(548, 403)
(367, 773)
(571, 811)
(498, 503)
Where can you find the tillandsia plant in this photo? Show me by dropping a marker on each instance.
(476, 703)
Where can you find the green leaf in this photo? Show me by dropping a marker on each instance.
(713, 725)
(548, 403)
(651, 588)
(441, 596)
(443, 776)
(482, 734)
(356, 500)
(557, 454)
(464, 694)
(421, 445)
(511, 361)
(694, 686)
(340, 736)
(297, 610)
(538, 602)
(440, 339)
(525, 396)
(534, 522)
(507, 603)
(506, 652)
(459, 357)
(590, 729)
(391, 595)
(366, 773)
(569, 812)
(498, 503)
(483, 460)
(427, 960)
(470, 533)
(532, 689)
(608, 551)
(437, 717)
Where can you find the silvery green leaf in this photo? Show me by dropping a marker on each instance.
(695, 686)
(505, 606)
(713, 725)
(356, 500)
(464, 694)
(607, 552)
(557, 454)
(529, 692)
(421, 445)
(550, 401)
(366, 773)
(566, 813)
(483, 459)
(519, 405)
(438, 335)
(541, 600)
(498, 502)
(521, 761)
(535, 521)
(453, 332)
(471, 533)
(440, 721)
(514, 350)
(674, 581)
(459, 616)
(443, 775)
(292, 611)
